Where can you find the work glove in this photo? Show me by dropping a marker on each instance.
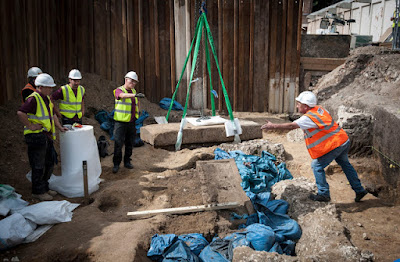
(139, 95)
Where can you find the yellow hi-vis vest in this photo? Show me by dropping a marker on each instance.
(394, 20)
(123, 107)
(71, 105)
(42, 116)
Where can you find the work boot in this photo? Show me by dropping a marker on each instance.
(52, 192)
(359, 196)
(43, 197)
(128, 165)
(115, 169)
(320, 198)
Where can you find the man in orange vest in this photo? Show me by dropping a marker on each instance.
(30, 87)
(326, 141)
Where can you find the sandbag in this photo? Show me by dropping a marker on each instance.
(10, 200)
(13, 230)
(72, 143)
(49, 212)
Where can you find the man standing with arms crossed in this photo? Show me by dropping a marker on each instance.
(125, 115)
(72, 106)
(326, 141)
(39, 130)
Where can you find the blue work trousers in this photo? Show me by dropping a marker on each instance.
(340, 155)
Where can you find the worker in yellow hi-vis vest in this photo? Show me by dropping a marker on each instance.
(395, 30)
(39, 130)
(71, 96)
(125, 114)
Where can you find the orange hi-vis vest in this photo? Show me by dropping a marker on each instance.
(28, 86)
(328, 136)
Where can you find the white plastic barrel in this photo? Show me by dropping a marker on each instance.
(76, 146)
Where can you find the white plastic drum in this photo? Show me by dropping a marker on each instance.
(76, 146)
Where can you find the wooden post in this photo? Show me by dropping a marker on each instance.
(85, 182)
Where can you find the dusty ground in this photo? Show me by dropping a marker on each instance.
(101, 231)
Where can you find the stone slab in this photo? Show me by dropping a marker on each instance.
(161, 135)
(220, 183)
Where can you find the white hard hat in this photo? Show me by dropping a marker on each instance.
(308, 98)
(44, 80)
(132, 75)
(75, 74)
(34, 72)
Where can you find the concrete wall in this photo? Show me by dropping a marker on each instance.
(371, 19)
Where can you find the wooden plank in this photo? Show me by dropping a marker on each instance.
(299, 22)
(272, 57)
(283, 27)
(100, 42)
(141, 45)
(5, 81)
(19, 48)
(108, 39)
(288, 100)
(227, 57)
(235, 54)
(60, 21)
(265, 88)
(184, 210)
(157, 89)
(321, 64)
(294, 77)
(251, 59)
(148, 51)
(123, 68)
(220, 52)
(172, 47)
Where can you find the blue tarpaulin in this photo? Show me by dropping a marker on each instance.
(106, 121)
(258, 173)
(170, 247)
(166, 102)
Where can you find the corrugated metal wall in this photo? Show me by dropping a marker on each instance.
(257, 44)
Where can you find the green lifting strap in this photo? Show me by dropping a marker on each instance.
(202, 23)
(183, 71)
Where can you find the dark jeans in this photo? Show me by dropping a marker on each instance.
(124, 133)
(41, 160)
(70, 121)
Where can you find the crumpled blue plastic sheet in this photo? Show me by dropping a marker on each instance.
(179, 251)
(170, 247)
(258, 174)
(106, 121)
(166, 102)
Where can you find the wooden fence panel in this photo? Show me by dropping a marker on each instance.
(257, 44)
